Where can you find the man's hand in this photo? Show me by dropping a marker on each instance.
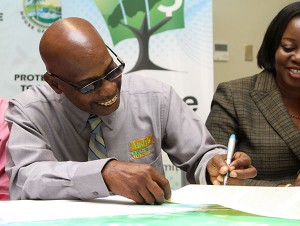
(240, 169)
(139, 182)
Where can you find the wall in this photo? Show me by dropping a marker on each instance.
(239, 23)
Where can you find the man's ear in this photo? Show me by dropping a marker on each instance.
(53, 83)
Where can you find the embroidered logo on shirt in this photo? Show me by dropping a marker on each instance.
(140, 148)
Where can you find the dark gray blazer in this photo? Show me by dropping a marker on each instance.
(252, 108)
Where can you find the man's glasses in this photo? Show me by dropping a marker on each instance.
(110, 76)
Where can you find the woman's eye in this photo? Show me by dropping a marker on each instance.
(287, 48)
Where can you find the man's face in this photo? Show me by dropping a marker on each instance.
(105, 98)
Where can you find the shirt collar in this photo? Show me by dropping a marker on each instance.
(265, 82)
(108, 120)
(77, 117)
(115, 117)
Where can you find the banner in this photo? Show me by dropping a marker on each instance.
(22, 24)
(168, 40)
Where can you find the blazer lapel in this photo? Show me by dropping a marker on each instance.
(269, 101)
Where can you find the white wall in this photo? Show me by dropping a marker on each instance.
(239, 23)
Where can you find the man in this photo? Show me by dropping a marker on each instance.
(50, 132)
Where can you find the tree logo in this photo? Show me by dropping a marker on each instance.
(141, 19)
(41, 13)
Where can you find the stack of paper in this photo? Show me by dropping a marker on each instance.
(282, 202)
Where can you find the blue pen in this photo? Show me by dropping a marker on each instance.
(230, 150)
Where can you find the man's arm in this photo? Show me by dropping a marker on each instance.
(34, 171)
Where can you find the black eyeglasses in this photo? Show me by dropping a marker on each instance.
(110, 76)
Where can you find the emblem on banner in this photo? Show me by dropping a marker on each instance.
(40, 14)
(141, 20)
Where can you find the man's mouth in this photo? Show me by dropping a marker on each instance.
(109, 102)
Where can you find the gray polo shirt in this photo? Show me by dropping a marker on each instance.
(48, 144)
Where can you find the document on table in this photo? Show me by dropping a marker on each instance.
(281, 202)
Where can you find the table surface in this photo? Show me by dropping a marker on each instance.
(213, 215)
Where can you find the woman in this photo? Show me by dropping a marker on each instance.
(263, 110)
(4, 183)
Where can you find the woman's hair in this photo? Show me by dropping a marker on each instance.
(273, 35)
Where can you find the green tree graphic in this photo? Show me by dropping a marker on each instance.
(141, 19)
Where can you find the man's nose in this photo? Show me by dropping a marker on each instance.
(107, 88)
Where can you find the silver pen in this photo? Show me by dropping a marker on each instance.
(230, 150)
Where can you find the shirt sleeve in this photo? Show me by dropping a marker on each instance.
(187, 141)
(265, 183)
(4, 133)
(34, 171)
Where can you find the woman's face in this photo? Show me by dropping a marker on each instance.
(287, 57)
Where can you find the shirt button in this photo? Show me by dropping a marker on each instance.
(95, 193)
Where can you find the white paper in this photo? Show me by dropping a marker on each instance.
(281, 202)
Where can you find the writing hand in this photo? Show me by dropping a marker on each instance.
(240, 169)
(139, 182)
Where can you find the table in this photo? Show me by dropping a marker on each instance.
(206, 215)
